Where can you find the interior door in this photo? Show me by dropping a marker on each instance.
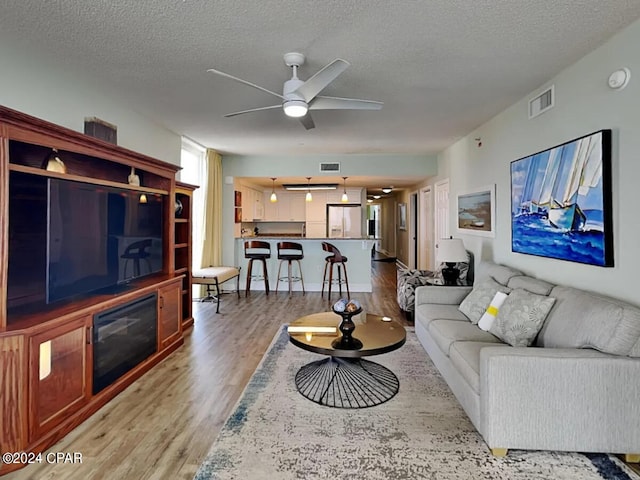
(425, 228)
(413, 230)
(441, 217)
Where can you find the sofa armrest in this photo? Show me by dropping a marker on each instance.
(559, 399)
(441, 295)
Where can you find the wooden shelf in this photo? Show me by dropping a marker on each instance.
(181, 270)
(182, 247)
(94, 181)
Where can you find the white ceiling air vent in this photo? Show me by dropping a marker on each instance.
(330, 167)
(542, 102)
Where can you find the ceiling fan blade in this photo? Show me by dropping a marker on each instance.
(307, 121)
(222, 74)
(253, 110)
(337, 103)
(321, 79)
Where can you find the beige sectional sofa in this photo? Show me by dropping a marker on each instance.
(576, 388)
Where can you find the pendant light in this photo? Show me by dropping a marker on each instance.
(344, 198)
(274, 197)
(308, 197)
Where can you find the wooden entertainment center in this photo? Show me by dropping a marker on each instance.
(48, 345)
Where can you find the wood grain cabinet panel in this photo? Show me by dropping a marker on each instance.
(169, 315)
(13, 390)
(59, 374)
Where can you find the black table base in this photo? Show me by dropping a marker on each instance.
(346, 382)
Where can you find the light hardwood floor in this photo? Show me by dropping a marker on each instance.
(163, 425)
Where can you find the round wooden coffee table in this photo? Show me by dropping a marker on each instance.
(345, 379)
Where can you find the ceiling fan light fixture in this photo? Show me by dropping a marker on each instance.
(295, 108)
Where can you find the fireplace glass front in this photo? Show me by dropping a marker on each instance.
(123, 337)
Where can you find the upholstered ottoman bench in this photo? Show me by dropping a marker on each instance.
(214, 277)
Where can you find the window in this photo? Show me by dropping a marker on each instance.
(192, 161)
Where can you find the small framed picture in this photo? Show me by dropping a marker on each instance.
(237, 200)
(476, 211)
(238, 216)
(402, 216)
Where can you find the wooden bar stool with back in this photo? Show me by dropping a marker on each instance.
(257, 250)
(338, 260)
(290, 252)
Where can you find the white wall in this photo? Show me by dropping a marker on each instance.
(32, 84)
(583, 104)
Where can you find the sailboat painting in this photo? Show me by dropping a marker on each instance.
(561, 202)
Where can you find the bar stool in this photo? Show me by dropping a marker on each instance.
(338, 260)
(257, 250)
(290, 252)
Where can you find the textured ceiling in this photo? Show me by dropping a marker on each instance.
(442, 68)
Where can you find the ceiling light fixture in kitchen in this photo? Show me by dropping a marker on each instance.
(344, 198)
(308, 197)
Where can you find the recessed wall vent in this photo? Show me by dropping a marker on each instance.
(542, 102)
(331, 167)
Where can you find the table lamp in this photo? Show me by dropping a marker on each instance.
(451, 251)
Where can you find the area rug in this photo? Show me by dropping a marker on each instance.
(421, 433)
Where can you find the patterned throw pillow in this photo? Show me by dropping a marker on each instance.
(489, 316)
(476, 303)
(521, 317)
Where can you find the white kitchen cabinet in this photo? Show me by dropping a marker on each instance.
(290, 207)
(297, 207)
(316, 230)
(316, 209)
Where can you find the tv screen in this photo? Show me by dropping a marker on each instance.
(100, 237)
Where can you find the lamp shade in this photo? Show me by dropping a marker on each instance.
(451, 250)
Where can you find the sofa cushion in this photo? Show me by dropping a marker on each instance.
(445, 332)
(530, 284)
(426, 313)
(476, 303)
(582, 319)
(521, 317)
(499, 273)
(465, 356)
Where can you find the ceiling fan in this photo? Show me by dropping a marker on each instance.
(298, 97)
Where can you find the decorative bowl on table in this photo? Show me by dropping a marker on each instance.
(347, 309)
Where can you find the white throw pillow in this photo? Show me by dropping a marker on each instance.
(492, 311)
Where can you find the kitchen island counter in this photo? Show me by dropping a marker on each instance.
(357, 250)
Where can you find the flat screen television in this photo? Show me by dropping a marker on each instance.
(100, 237)
(69, 238)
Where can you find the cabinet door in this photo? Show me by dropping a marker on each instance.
(247, 207)
(59, 372)
(316, 230)
(258, 210)
(283, 206)
(316, 209)
(169, 322)
(297, 207)
(270, 208)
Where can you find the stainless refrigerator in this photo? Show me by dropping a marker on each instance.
(344, 221)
